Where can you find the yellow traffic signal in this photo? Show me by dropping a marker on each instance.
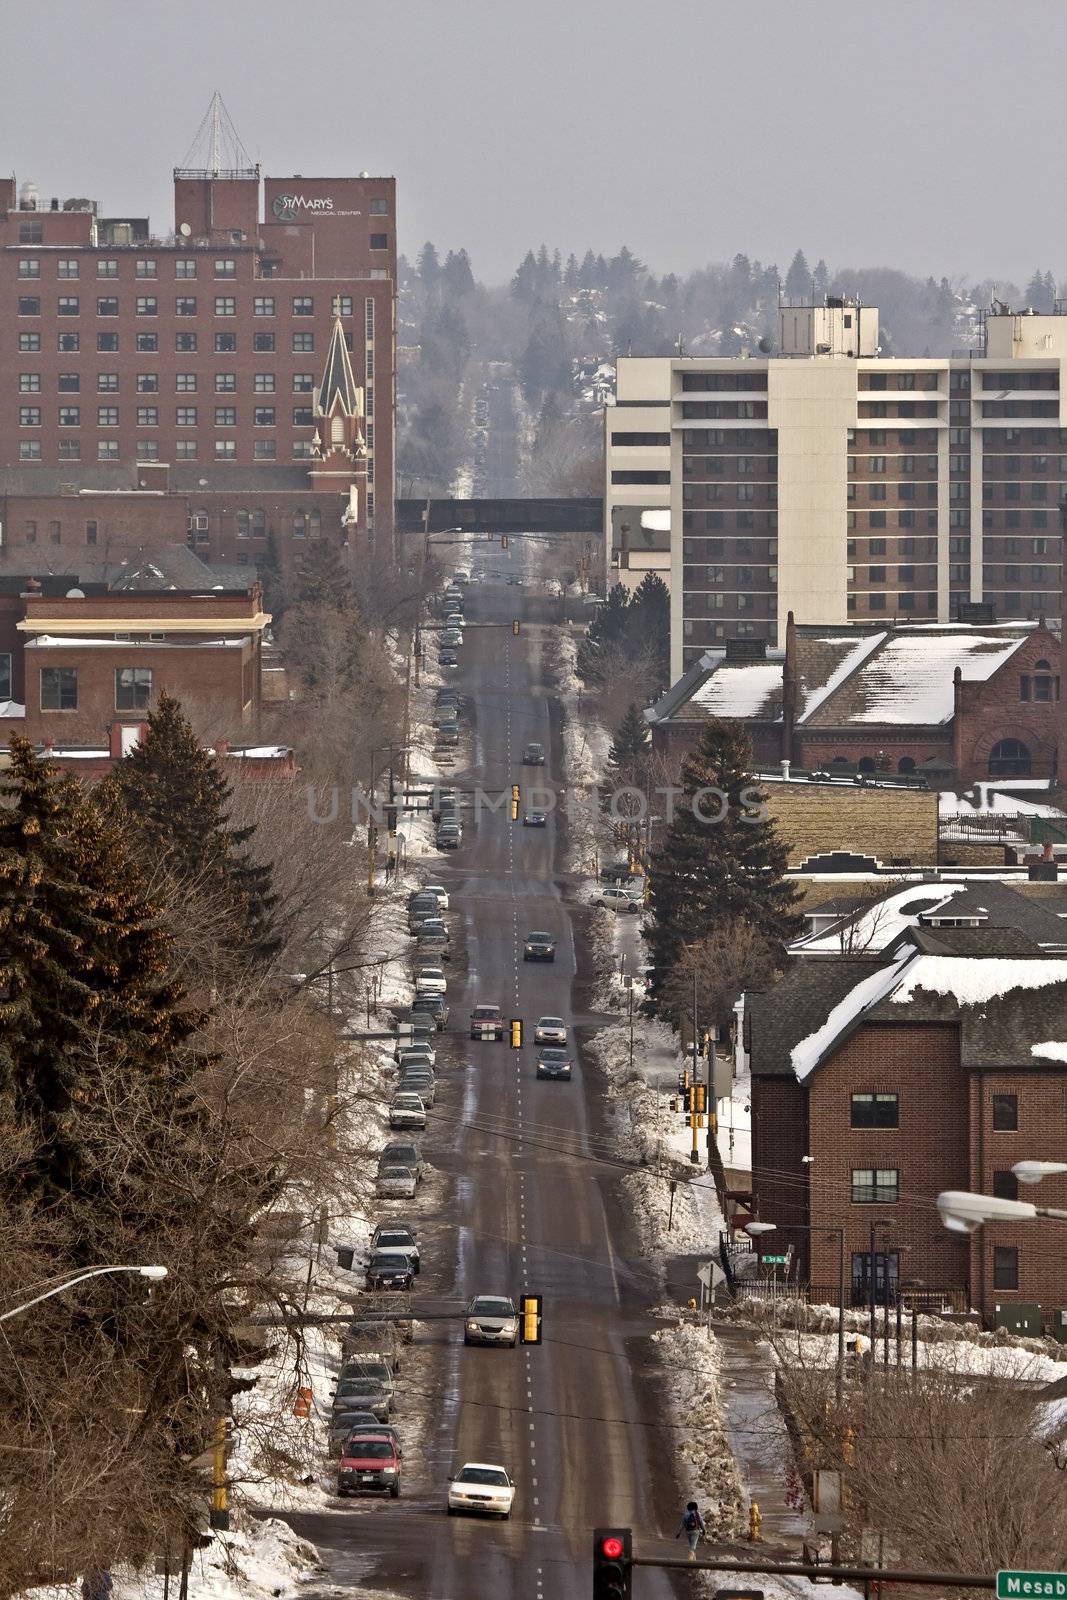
(530, 1322)
(516, 1033)
(701, 1091)
(515, 797)
(515, 626)
(503, 541)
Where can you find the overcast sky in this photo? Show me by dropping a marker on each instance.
(923, 134)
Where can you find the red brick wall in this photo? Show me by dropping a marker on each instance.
(818, 747)
(921, 1064)
(779, 1141)
(993, 710)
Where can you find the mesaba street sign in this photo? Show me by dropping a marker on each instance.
(1021, 1585)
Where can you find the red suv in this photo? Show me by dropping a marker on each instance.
(487, 1022)
(369, 1465)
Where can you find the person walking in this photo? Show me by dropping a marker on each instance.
(693, 1526)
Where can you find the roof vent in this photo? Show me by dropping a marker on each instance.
(746, 649)
(983, 612)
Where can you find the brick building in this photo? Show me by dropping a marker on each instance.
(883, 1075)
(229, 381)
(952, 703)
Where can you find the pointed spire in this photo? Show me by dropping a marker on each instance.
(338, 389)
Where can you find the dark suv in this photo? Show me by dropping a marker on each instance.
(539, 947)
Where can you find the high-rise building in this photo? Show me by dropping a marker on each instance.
(243, 363)
(838, 484)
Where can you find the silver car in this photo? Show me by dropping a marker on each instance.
(550, 1030)
(406, 1110)
(491, 1319)
(395, 1183)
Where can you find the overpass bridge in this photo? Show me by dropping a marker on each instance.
(560, 516)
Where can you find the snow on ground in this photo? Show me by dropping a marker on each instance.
(691, 1373)
(1007, 1362)
(585, 761)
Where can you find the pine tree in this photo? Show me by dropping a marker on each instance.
(821, 278)
(707, 872)
(322, 578)
(631, 739)
(649, 621)
(429, 267)
(177, 804)
(798, 278)
(269, 573)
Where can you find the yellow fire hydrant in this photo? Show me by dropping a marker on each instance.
(755, 1522)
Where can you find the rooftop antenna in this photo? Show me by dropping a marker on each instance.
(216, 150)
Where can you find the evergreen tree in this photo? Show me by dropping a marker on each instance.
(429, 267)
(322, 578)
(587, 277)
(821, 278)
(705, 872)
(631, 739)
(177, 801)
(269, 573)
(524, 283)
(798, 278)
(649, 620)
(570, 273)
(457, 274)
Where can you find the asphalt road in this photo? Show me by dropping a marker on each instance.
(524, 1205)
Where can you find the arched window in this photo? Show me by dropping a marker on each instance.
(243, 524)
(314, 524)
(337, 430)
(840, 761)
(259, 524)
(1009, 758)
(299, 524)
(1044, 688)
(906, 764)
(866, 764)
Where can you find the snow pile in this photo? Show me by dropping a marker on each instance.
(975, 983)
(1050, 1049)
(585, 761)
(691, 1371)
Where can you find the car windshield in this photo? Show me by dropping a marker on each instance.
(493, 1475)
(487, 1011)
(553, 1055)
(551, 1022)
(540, 936)
(358, 1386)
(369, 1449)
(493, 1306)
(396, 1173)
(394, 1236)
(389, 1263)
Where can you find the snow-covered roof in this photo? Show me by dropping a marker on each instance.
(910, 680)
(879, 925)
(11, 708)
(997, 803)
(810, 1051)
(742, 689)
(1050, 1050)
(971, 982)
(851, 653)
(49, 641)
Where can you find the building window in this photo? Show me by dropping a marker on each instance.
(225, 344)
(185, 449)
(69, 383)
(259, 518)
(29, 305)
(59, 688)
(303, 343)
(225, 416)
(303, 382)
(55, 533)
(31, 233)
(225, 383)
(1009, 758)
(185, 383)
(379, 241)
(29, 416)
(90, 532)
(108, 343)
(1006, 1113)
(107, 449)
(107, 382)
(148, 416)
(70, 416)
(148, 383)
(265, 450)
(1005, 1266)
(263, 416)
(185, 305)
(262, 342)
(147, 305)
(107, 305)
(185, 267)
(144, 269)
(225, 267)
(263, 383)
(29, 267)
(185, 343)
(263, 305)
(225, 449)
(342, 305)
(29, 449)
(70, 450)
(378, 208)
(299, 524)
(107, 416)
(876, 1110)
(303, 305)
(29, 383)
(1005, 1184)
(302, 417)
(107, 267)
(148, 449)
(30, 341)
(147, 341)
(185, 417)
(225, 305)
(874, 1185)
(301, 449)
(133, 688)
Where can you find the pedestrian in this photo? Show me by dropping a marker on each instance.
(97, 1585)
(693, 1526)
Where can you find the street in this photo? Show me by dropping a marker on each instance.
(530, 1205)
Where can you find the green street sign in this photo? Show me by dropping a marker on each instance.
(1032, 1586)
(775, 1261)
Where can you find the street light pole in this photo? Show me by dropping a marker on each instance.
(154, 1273)
(756, 1229)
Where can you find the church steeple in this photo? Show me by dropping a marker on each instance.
(338, 391)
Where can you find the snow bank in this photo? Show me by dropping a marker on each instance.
(691, 1372)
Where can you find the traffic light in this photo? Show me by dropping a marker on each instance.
(516, 1033)
(515, 626)
(503, 541)
(530, 1319)
(612, 1555)
(700, 1092)
(515, 797)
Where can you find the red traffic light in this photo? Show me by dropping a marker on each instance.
(612, 1548)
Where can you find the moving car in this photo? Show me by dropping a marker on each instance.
(402, 1153)
(539, 947)
(369, 1465)
(553, 1063)
(619, 900)
(534, 819)
(397, 1236)
(362, 1394)
(480, 1486)
(491, 1319)
(487, 1022)
(533, 755)
(407, 1110)
(550, 1030)
(395, 1183)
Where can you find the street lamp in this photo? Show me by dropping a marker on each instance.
(154, 1273)
(757, 1229)
(1034, 1171)
(962, 1212)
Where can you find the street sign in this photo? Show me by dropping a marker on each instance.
(1020, 1585)
(775, 1261)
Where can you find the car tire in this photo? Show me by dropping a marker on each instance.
(394, 1491)
(505, 1516)
(451, 1510)
(466, 1340)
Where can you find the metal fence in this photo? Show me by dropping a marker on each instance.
(929, 1302)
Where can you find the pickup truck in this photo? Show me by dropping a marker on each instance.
(487, 1022)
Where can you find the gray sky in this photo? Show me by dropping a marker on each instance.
(923, 134)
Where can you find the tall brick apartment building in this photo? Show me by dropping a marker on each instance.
(231, 381)
(922, 1058)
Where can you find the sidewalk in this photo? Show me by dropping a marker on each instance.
(758, 1435)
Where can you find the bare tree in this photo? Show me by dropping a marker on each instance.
(733, 957)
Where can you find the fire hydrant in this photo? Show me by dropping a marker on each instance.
(755, 1521)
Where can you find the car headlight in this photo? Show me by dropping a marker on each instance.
(472, 1327)
(388, 1472)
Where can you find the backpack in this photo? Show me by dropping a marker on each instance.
(692, 1521)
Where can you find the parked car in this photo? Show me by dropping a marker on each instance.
(417, 1080)
(443, 714)
(441, 799)
(395, 1183)
(397, 1236)
(550, 1030)
(452, 637)
(416, 1055)
(363, 1365)
(364, 1394)
(448, 735)
(482, 1487)
(343, 1424)
(533, 755)
(381, 1430)
(431, 1005)
(403, 1153)
(449, 836)
(539, 947)
(487, 1022)
(491, 1319)
(435, 928)
(418, 1036)
(369, 1466)
(407, 1109)
(430, 980)
(440, 891)
(453, 619)
(553, 1063)
(380, 1340)
(619, 900)
(447, 658)
(534, 819)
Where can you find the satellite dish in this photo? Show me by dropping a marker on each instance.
(765, 345)
(75, 594)
(184, 229)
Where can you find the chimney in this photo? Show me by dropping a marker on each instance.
(785, 769)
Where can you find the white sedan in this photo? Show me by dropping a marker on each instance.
(481, 1487)
(439, 890)
(430, 980)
